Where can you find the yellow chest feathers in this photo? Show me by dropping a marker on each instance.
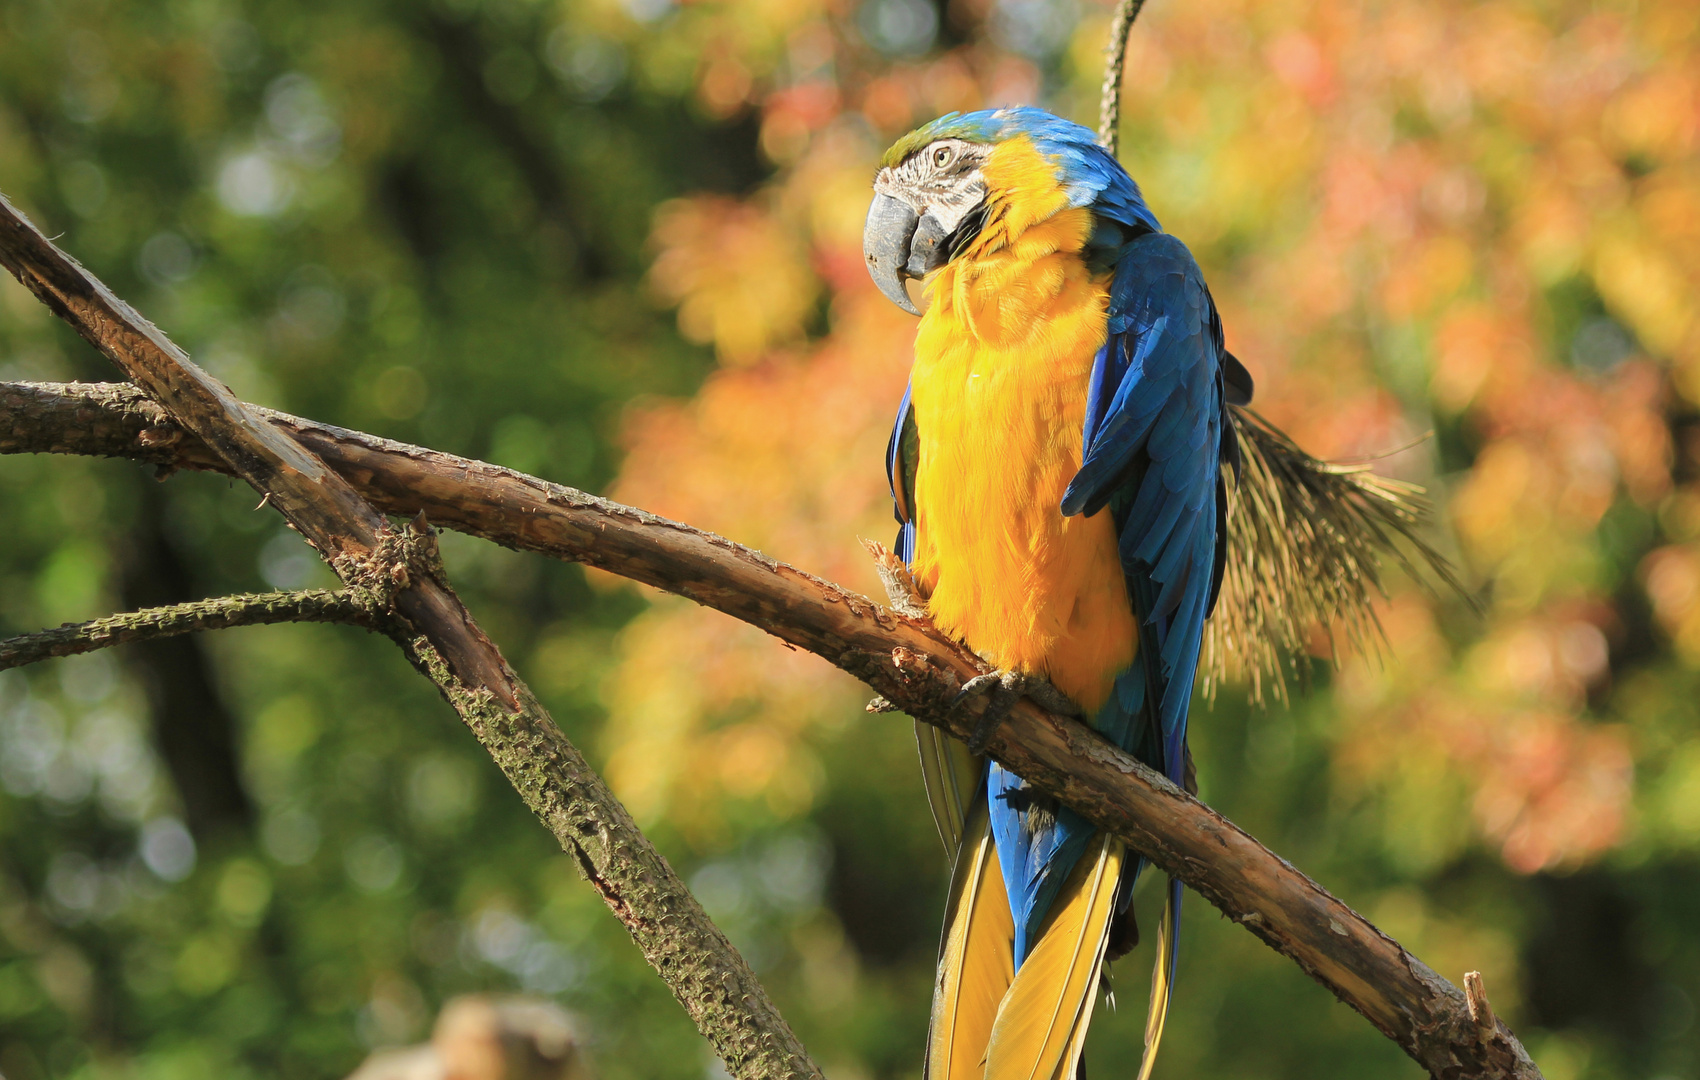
(1002, 361)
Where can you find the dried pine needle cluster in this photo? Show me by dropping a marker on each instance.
(1305, 543)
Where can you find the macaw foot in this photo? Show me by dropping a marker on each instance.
(1005, 688)
(901, 588)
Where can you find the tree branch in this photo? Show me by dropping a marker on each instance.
(903, 659)
(1115, 58)
(149, 624)
(443, 641)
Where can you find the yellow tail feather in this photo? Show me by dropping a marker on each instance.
(1041, 1024)
(976, 957)
(1161, 988)
(951, 774)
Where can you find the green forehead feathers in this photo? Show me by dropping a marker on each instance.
(971, 127)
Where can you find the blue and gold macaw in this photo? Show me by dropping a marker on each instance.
(1057, 469)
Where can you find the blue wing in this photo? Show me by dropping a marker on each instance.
(900, 455)
(1156, 437)
(1156, 434)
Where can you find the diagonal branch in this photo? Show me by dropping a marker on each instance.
(699, 964)
(350, 607)
(903, 659)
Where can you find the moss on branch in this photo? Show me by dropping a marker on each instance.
(346, 606)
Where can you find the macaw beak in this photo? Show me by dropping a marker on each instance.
(886, 241)
(899, 243)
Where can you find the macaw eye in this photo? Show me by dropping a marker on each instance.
(941, 157)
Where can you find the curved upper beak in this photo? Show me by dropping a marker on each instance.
(886, 239)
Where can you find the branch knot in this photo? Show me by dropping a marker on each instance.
(402, 556)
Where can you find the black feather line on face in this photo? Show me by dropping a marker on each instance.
(966, 231)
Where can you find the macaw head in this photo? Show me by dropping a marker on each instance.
(942, 184)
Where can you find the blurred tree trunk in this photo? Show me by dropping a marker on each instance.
(192, 727)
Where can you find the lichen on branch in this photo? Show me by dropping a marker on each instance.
(350, 607)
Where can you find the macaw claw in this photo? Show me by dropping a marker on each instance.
(1005, 687)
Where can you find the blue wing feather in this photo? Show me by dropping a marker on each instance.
(902, 483)
(1152, 455)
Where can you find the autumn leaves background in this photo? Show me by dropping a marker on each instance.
(616, 244)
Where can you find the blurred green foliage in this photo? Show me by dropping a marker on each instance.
(266, 852)
(403, 218)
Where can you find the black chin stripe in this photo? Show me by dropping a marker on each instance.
(966, 231)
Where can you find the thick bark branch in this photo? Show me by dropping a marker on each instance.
(700, 965)
(903, 659)
(151, 624)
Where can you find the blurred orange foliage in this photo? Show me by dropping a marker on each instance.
(739, 277)
(1484, 218)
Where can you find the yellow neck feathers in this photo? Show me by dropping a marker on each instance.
(1025, 259)
(1002, 359)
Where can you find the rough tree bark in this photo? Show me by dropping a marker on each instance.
(351, 607)
(903, 659)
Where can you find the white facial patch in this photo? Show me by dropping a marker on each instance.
(943, 179)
